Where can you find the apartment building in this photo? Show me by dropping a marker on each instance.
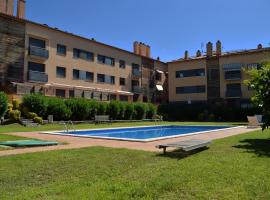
(36, 58)
(215, 76)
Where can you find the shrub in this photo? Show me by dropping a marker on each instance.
(102, 108)
(151, 111)
(3, 104)
(79, 108)
(93, 108)
(16, 104)
(122, 108)
(140, 111)
(38, 120)
(114, 109)
(129, 110)
(35, 103)
(15, 115)
(58, 109)
(31, 115)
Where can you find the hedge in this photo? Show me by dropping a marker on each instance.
(3, 104)
(204, 112)
(78, 109)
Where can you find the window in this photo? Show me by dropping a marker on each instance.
(190, 89)
(233, 75)
(37, 43)
(135, 66)
(113, 97)
(60, 72)
(37, 67)
(122, 81)
(106, 60)
(190, 73)
(100, 78)
(85, 55)
(213, 75)
(61, 49)
(123, 98)
(122, 64)
(233, 90)
(158, 76)
(89, 76)
(71, 93)
(76, 74)
(60, 93)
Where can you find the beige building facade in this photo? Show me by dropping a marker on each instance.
(58, 63)
(215, 76)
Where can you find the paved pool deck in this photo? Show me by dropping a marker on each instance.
(79, 142)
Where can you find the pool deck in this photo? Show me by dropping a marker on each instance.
(79, 142)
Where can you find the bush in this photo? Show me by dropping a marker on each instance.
(80, 108)
(102, 108)
(114, 109)
(38, 120)
(35, 103)
(3, 104)
(31, 115)
(140, 110)
(122, 108)
(129, 110)
(58, 109)
(15, 115)
(93, 108)
(16, 104)
(151, 111)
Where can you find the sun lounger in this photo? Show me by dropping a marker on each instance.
(186, 145)
(254, 121)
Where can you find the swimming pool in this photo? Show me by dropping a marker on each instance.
(142, 134)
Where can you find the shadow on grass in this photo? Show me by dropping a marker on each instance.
(179, 154)
(260, 147)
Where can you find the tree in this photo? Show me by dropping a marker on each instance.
(260, 82)
(3, 104)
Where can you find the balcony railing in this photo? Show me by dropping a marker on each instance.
(136, 73)
(233, 93)
(38, 52)
(137, 90)
(40, 77)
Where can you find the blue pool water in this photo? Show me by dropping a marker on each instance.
(148, 133)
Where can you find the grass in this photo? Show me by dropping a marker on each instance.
(4, 137)
(232, 168)
(50, 127)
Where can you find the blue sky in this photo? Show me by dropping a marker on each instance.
(169, 26)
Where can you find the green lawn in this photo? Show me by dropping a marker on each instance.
(232, 168)
(19, 128)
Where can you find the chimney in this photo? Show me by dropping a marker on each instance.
(21, 9)
(186, 55)
(218, 48)
(7, 7)
(209, 49)
(141, 49)
(198, 53)
(259, 46)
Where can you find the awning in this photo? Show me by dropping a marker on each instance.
(159, 87)
(158, 71)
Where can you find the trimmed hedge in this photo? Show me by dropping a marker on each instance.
(204, 112)
(3, 104)
(78, 109)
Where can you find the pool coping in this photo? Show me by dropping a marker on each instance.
(139, 140)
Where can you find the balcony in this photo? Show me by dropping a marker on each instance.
(137, 90)
(136, 73)
(38, 77)
(233, 93)
(38, 52)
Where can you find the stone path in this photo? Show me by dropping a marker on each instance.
(78, 142)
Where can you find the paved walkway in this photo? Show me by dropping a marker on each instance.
(77, 142)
